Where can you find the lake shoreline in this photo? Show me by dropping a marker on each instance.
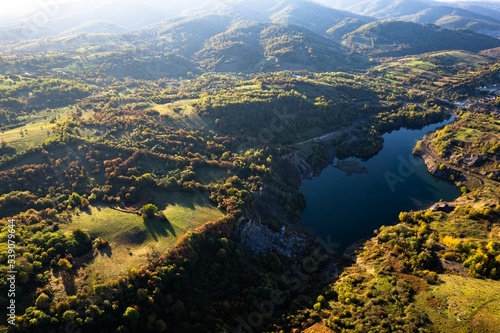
(354, 168)
(296, 167)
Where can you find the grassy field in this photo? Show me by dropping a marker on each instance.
(37, 130)
(187, 211)
(430, 69)
(183, 112)
(462, 304)
(175, 109)
(468, 135)
(132, 240)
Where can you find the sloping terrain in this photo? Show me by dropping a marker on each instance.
(478, 16)
(392, 38)
(455, 18)
(319, 19)
(257, 47)
(153, 169)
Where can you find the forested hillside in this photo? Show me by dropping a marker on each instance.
(389, 38)
(151, 169)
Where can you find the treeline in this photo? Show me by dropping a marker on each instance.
(22, 95)
(206, 283)
(410, 116)
(396, 38)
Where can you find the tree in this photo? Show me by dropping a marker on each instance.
(69, 316)
(81, 242)
(149, 210)
(42, 302)
(131, 313)
(64, 264)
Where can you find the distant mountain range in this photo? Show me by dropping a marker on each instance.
(478, 16)
(397, 38)
(130, 38)
(338, 17)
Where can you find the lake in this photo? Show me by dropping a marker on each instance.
(351, 198)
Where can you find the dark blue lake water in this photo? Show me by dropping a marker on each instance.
(345, 207)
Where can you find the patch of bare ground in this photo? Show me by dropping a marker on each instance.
(318, 328)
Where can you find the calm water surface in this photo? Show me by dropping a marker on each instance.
(348, 205)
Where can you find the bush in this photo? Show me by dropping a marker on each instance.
(100, 243)
(452, 256)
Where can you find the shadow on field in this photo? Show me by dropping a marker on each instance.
(106, 251)
(159, 228)
(68, 281)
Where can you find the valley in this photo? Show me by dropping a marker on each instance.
(177, 170)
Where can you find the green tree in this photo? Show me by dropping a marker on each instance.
(80, 241)
(131, 314)
(149, 210)
(42, 302)
(64, 264)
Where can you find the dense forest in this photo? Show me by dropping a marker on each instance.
(150, 179)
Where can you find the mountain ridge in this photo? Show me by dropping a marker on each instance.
(222, 36)
(331, 17)
(479, 17)
(398, 38)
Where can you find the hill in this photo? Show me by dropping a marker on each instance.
(486, 8)
(456, 18)
(317, 18)
(131, 15)
(479, 16)
(332, 17)
(190, 45)
(183, 36)
(151, 171)
(90, 27)
(68, 17)
(392, 38)
(72, 16)
(381, 9)
(252, 47)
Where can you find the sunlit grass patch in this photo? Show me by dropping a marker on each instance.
(37, 130)
(134, 240)
(462, 304)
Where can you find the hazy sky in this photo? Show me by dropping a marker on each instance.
(19, 7)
